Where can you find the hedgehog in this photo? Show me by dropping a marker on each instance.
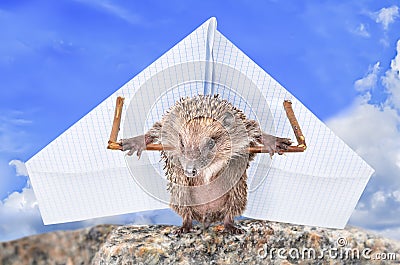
(206, 169)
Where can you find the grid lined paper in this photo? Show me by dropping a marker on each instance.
(85, 180)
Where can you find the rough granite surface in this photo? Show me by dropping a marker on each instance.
(261, 243)
(61, 247)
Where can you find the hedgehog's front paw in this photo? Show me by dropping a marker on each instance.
(135, 144)
(275, 144)
(183, 229)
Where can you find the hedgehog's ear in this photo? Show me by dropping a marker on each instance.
(228, 119)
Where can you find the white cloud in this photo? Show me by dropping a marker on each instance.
(21, 201)
(368, 82)
(396, 195)
(391, 80)
(385, 41)
(378, 199)
(19, 215)
(113, 9)
(120, 12)
(386, 16)
(12, 127)
(19, 167)
(373, 130)
(391, 232)
(362, 31)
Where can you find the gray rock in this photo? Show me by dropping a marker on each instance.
(61, 247)
(262, 243)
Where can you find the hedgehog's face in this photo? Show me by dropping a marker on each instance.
(202, 143)
(196, 157)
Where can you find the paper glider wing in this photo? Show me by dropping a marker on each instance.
(76, 178)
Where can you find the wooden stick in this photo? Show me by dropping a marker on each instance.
(261, 149)
(252, 149)
(114, 145)
(287, 104)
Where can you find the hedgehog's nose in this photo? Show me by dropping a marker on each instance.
(190, 171)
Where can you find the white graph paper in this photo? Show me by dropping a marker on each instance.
(75, 177)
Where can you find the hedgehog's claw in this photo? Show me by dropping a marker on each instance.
(135, 144)
(183, 229)
(229, 226)
(275, 144)
(232, 229)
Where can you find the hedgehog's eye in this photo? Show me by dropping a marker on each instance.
(181, 141)
(211, 143)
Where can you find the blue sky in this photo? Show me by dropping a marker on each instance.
(59, 59)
